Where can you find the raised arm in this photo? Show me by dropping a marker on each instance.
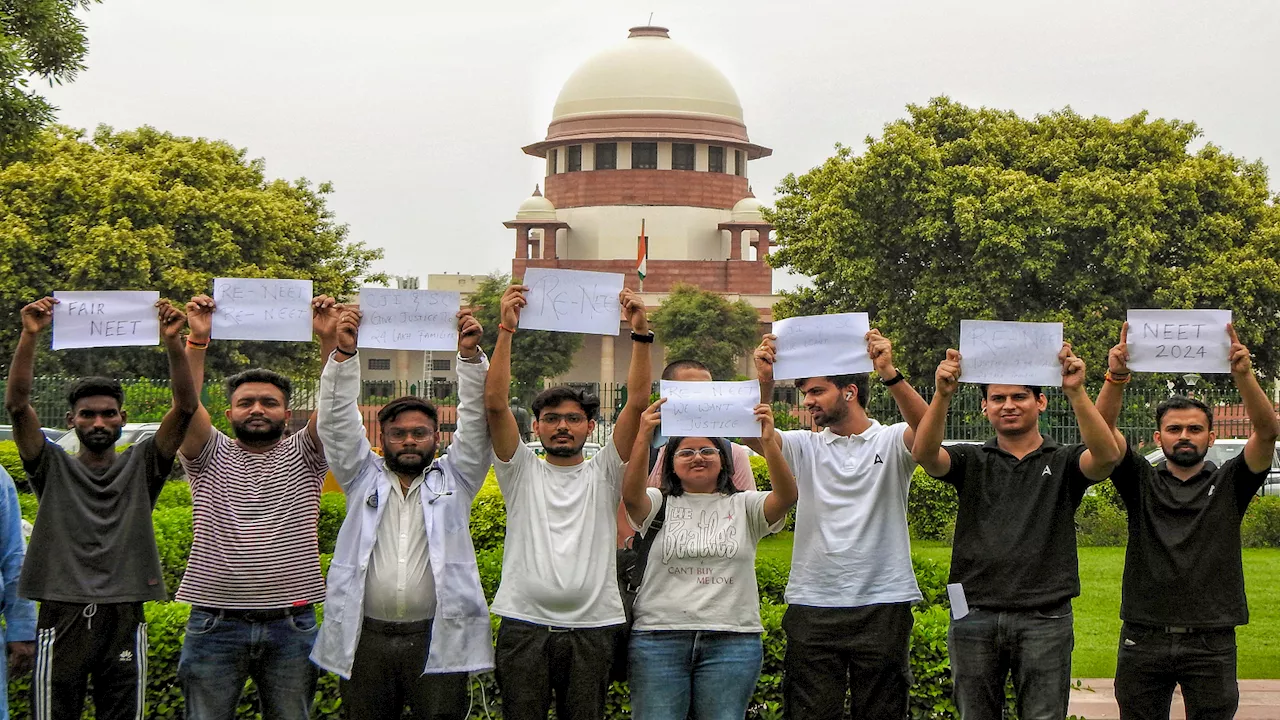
(910, 404)
(639, 376)
(200, 319)
(186, 401)
(503, 430)
(17, 395)
(781, 479)
(764, 355)
(1262, 441)
(338, 421)
(635, 498)
(1111, 396)
(927, 447)
(469, 452)
(325, 314)
(1101, 453)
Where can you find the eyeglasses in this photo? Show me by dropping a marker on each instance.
(554, 419)
(399, 434)
(688, 453)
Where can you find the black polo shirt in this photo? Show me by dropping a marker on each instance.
(1015, 541)
(1182, 567)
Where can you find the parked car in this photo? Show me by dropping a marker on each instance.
(588, 451)
(1223, 450)
(131, 433)
(6, 432)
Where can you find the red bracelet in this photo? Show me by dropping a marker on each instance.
(196, 345)
(504, 327)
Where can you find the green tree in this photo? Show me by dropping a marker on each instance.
(535, 354)
(956, 212)
(38, 39)
(143, 209)
(698, 325)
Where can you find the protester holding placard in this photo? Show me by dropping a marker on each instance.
(407, 619)
(848, 619)
(1183, 590)
(1013, 559)
(696, 638)
(559, 600)
(92, 561)
(253, 577)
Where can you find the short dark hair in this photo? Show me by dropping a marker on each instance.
(408, 403)
(260, 375)
(669, 372)
(1036, 390)
(1182, 402)
(562, 393)
(671, 485)
(94, 387)
(861, 381)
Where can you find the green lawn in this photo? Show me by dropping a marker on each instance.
(1097, 610)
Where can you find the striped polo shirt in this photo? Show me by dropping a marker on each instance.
(255, 520)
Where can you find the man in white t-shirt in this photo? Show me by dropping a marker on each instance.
(848, 620)
(559, 601)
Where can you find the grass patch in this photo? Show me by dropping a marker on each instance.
(1097, 610)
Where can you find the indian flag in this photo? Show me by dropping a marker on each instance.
(642, 254)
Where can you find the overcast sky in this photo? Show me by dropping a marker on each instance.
(417, 114)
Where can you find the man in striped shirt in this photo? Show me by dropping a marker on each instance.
(253, 576)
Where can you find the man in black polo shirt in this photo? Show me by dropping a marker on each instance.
(1183, 590)
(1014, 553)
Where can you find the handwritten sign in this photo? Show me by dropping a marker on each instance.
(262, 309)
(573, 301)
(409, 319)
(1010, 353)
(819, 345)
(105, 319)
(710, 409)
(1180, 341)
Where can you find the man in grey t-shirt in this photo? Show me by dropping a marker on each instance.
(92, 561)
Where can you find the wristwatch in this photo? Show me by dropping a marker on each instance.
(648, 338)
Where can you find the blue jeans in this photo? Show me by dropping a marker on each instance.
(705, 675)
(1034, 646)
(221, 651)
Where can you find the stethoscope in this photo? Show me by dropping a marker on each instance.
(372, 500)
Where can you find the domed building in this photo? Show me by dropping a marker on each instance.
(647, 133)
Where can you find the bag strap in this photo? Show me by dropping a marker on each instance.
(643, 544)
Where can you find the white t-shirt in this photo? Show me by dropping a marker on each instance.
(701, 573)
(851, 547)
(559, 562)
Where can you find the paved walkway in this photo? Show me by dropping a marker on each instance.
(1259, 700)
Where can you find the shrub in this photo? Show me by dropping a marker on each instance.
(11, 461)
(771, 577)
(760, 470)
(333, 510)
(1261, 526)
(174, 536)
(27, 501)
(176, 493)
(931, 576)
(488, 516)
(1099, 523)
(931, 507)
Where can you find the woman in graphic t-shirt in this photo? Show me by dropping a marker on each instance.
(695, 643)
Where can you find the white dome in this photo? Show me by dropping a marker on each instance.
(647, 74)
(748, 210)
(536, 207)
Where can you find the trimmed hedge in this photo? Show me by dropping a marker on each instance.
(1261, 526)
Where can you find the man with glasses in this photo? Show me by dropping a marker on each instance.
(559, 599)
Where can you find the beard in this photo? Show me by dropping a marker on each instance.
(562, 451)
(423, 459)
(1186, 455)
(258, 435)
(99, 440)
(826, 418)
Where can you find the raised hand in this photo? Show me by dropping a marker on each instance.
(172, 320)
(881, 352)
(764, 413)
(325, 312)
(513, 301)
(634, 311)
(765, 355)
(1072, 369)
(947, 378)
(469, 332)
(38, 315)
(200, 311)
(347, 329)
(1118, 357)
(651, 419)
(1241, 358)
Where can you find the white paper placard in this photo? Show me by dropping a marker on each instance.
(1010, 353)
(109, 318)
(710, 409)
(1179, 341)
(820, 345)
(262, 309)
(409, 319)
(575, 301)
(959, 604)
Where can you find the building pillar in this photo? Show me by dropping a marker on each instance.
(535, 248)
(522, 242)
(606, 375)
(402, 371)
(762, 243)
(735, 244)
(549, 243)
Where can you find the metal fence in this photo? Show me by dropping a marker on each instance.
(147, 400)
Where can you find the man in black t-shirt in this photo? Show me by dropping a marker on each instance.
(1014, 552)
(92, 561)
(1183, 590)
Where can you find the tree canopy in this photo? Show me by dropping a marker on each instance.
(535, 354)
(698, 325)
(958, 212)
(147, 210)
(38, 39)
